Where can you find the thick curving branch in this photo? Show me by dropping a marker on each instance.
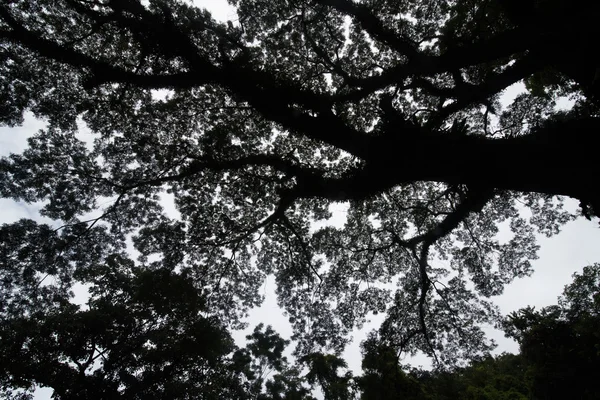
(402, 153)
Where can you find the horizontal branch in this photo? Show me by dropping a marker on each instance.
(200, 165)
(556, 159)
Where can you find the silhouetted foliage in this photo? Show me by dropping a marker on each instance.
(216, 146)
(561, 344)
(383, 377)
(560, 357)
(142, 335)
(492, 378)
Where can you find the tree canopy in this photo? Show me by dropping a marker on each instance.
(218, 145)
(154, 344)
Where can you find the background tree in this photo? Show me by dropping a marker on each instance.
(323, 371)
(561, 344)
(558, 359)
(493, 378)
(383, 376)
(251, 130)
(143, 334)
(266, 368)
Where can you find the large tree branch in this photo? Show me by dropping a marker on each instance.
(466, 94)
(473, 94)
(475, 200)
(453, 58)
(503, 45)
(557, 159)
(257, 88)
(523, 164)
(197, 166)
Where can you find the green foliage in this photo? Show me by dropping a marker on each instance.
(559, 357)
(492, 378)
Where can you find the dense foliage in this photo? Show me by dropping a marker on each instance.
(145, 337)
(561, 344)
(560, 353)
(218, 145)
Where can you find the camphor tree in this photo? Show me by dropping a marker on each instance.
(254, 128)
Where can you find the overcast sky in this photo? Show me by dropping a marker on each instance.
(560, 256)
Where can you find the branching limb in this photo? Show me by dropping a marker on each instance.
(422, 260)
(371, 24)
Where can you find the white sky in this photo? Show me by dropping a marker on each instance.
(560, 256)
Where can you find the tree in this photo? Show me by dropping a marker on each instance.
(262, 357)
(489, 378)
(142, 335)
(383, 377)
(323, 371)
(561, 344)
(253, 129)
(492, 378)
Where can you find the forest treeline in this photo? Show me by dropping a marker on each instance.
(178, 356)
